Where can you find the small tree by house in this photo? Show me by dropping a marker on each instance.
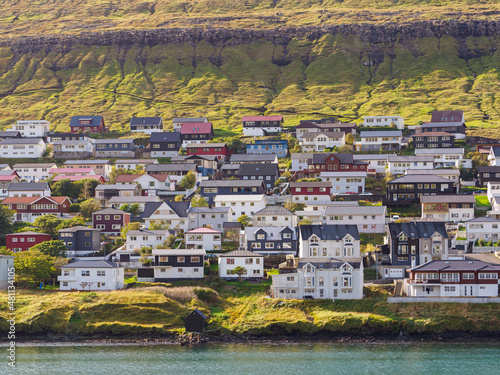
(350, 138)
(48, 224)
(239, 270)
(88, 207)
(245, 220)
(188, 181)
(129, 226)
(179, 198)
(53, 248)
(306, 222)
(199, 201)
(159, 225)
(33, 266)
(6, 217)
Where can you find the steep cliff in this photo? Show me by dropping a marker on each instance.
(346, 69)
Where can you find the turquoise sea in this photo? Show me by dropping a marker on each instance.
(305, 358)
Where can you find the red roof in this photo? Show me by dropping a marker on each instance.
(122, 178)
(70, 170)
(196, 128)
(78, 178)
(262, 118)
(8, 178)
(31, 200)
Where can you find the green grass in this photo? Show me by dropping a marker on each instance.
(368, 241)
(482, 201)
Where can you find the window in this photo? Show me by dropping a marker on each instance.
(181, 259)
(403, 237)
(101, 273)
(269, 245)
(489, 276)
(230, 261)
(195, 259)
(85, 273)
(261, 236)
(468, 276)
(162, 259)
(180, 269)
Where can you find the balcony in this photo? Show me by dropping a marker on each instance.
(66, 278)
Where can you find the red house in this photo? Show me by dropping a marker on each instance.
(23, 241)
(310, 192)
(29, 208)
(333, 162)
(196, 132)
(110, 220)
(213, 149)
(87, 124)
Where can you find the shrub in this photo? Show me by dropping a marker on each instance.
(206, 295)
(74, 207)
(87, 296)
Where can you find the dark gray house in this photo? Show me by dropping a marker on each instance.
(146, 125)
(115, 148)
(80, 240)
(417, 242)
(433, 140)
(253, 158)
(406, 190)
(487, 174)
(269, 173)
(272, 240)
(174, 169)
(165, 144)
(210, 188)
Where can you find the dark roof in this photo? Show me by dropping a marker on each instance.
(243, 158)
(9, 133)
(248, 169)
(489, 169)
(209, 210)
(150, 208)
(28, 186)
(115, 140)
(346, 158)
(146, 121)
(457, 265)
(440, 124)
(418, 229)
(91, 264)
(496, 151)
(447, 116)
(231, 224)
(21, 141)
(165, 137)
(180, 208)
(230, 167)
(329, 232)
(432, 134)
(273, 210)
(447, 199)
(183, 158)
(194, 314)
(94, 120)
(77, 228)
(110, 211)
(420, 179)
(231, 183)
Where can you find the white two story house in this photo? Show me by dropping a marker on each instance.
(30, 148)
(398, 165)
(252, 263)
(91, 275)
(241, 204)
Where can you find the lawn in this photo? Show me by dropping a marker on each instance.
(482, 201)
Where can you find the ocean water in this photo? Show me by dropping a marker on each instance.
(305, 358)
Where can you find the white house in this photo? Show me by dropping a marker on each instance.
(155, 185)
(34, 172)
(203, 238)
(274, 216)
(32, 128)
(368, 219)
(377, 163)
(375, 121)
(485, 228)
(329, 265)
(91, 275)
(117, 202)
(6, 266)
(261, 125)
(241, 204)
(251, 262)
(494, 156)
(173, 214)
(314, 141)
(177, 264)
(137, 239)
(345, 182)
(131, 164)
(447, 207)
(83, 148)
(29, 189)
(315, 211)
(398, 165)
(146, 125)
(32, 148)
(493, 188)
(300, 161)
(209, 217)
(101, 167)
(386, 140)
(446, 157)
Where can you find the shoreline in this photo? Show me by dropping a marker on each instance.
(402, 338)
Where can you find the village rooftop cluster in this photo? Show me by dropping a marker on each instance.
(320, 202)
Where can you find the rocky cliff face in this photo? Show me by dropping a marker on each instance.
(370, 33)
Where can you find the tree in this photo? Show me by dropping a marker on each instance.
(129, 226)
(52, 248)
(6, 217)
(48, 224)
(182, 151)
(86, 188)
(199, 201)
(234, 144)
(33, 266)
(350, 138)
(73, 222)
(134, 209)
(158, 225)
(179, 198)
(245, 220)
(169, 243)
(188, 181)
(345, 149)
(239, 271)
(88, 207)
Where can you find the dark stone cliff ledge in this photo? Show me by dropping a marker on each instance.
(369, 33)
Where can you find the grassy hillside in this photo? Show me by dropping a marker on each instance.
(239, 309)
(329, 74)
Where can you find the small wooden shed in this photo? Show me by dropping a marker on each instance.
(195, 321)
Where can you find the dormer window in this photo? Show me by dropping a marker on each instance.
(346, 268)
(403, 237)
(314, 240)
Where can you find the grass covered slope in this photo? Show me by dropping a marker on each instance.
(238, 310)
(332, 75)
